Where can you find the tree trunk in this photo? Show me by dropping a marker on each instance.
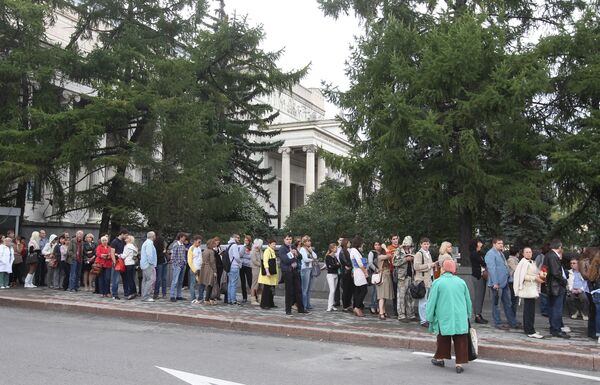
(465, 236)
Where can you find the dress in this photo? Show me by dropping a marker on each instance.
(273, 279)
(386, 289)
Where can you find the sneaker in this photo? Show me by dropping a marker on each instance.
(535, 335)
(503, 327)
(425, 324)
(244, 301)
(2, 287)
(334, 308)
(328, 310)
(194, 302)
(288, 313)
(565, 329)
(148, 300)
(480, 320)
(173, 299)
(155, 296)
(180, 299)
(585, 317)
(574, 316)
(255, 303)
(116, 297)
(518, 325)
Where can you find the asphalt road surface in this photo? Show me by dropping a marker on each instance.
(46, 348)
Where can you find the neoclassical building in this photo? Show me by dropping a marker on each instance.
(298, 170)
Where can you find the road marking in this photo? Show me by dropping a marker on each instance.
(553, 371)
(195, 379)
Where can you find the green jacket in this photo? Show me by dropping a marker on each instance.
(449, 306)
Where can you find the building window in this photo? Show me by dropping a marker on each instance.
(34, 190)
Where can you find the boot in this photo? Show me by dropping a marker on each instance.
(29, 280)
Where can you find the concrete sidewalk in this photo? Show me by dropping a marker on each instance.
(579, 352)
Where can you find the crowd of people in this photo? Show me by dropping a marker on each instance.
(417, 286)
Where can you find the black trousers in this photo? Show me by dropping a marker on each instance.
(40, 272)
(347, 289)
(293, 290)
(336, 295)
(591, 331)
(245, 279)
(360, 292)
(66, 268)
(529, 315)
(266, 301)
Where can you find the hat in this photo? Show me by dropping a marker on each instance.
(449, 266)
(408, 242)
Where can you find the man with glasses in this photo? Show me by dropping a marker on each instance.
(498, 282)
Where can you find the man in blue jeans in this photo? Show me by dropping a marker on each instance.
(233, 250)
(498, 282)
(117, 245)
(161, 267)
(179, 261)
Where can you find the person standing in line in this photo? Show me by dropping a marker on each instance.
(51, 261)
(256, 257)
(246, 269)
(208, 271)
(512, 261)
(65, 261)
(75, 260)
(337, 296)
(479, 273)
(385, 288)
(103, 257)
(577, 287)
(593, 278)
(234, 271)
(289, 264)
(148, 266)
(391, 251)
(423, 270)
(556, 284)
(359, 274)
(372, 267)
(347, 280)
(42, 269)
(161, 267)
(20, 252)
(196, 267)
(178, 258)
(585, 267)
(498, 283)
(7, 257)
(539, 261)
(448, 313)
(403, 263)
(333, 268)
(117, 246)
(32, 258)
(268, 277)
(526, 284)
(308, 258)
(89, 256)
(130, 254)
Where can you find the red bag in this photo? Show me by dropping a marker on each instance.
(120, 265)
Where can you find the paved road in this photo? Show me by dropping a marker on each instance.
(40, 347)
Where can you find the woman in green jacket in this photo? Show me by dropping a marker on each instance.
(448, 313)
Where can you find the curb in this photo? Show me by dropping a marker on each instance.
(511, 353)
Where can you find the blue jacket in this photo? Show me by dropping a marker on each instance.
(147, 255)
(497, 268)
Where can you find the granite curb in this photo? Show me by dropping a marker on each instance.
(489, 349)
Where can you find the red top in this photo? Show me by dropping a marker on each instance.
(106, 263)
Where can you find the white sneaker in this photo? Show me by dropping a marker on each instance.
(329, 310)
(566, 329)
(148, 300)
(194, 302)
(574, 316)
(2, 287)
(585, 318)
(535, 335)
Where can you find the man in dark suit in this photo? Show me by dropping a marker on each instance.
(556, 283)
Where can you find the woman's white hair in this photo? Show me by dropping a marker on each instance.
(257, 244)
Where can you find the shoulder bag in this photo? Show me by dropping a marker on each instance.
(473, 347)
(120, 265)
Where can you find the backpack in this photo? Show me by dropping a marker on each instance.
(226, 259)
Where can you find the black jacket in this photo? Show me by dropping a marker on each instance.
(332, 264)
(345, 261)
(555, 282)
(477, 262)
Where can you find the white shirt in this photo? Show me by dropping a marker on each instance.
(359, 277)
(7, 257)
(197, 258)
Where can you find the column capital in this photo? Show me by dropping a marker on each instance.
(309, 148)
(284, 150)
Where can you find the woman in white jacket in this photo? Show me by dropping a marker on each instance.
(7, 257)
(526, 283)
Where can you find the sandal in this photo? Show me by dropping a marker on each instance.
(382, 317)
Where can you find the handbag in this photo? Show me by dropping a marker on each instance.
(485, 275)
(376, 279)
(96, 268)
(52, 263)
(120, 265)
(316, 269)
(473, 347)
(272, 266)
(417, 289)
(223, 284)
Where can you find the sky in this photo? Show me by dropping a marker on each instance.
(307, 36)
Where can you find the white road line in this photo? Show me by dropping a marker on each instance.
(553, 371)
(195, 379)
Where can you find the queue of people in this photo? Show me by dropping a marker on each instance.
(418, 287)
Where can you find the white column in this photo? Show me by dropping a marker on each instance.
(321, 171)
(310, 171)
(284, 210)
